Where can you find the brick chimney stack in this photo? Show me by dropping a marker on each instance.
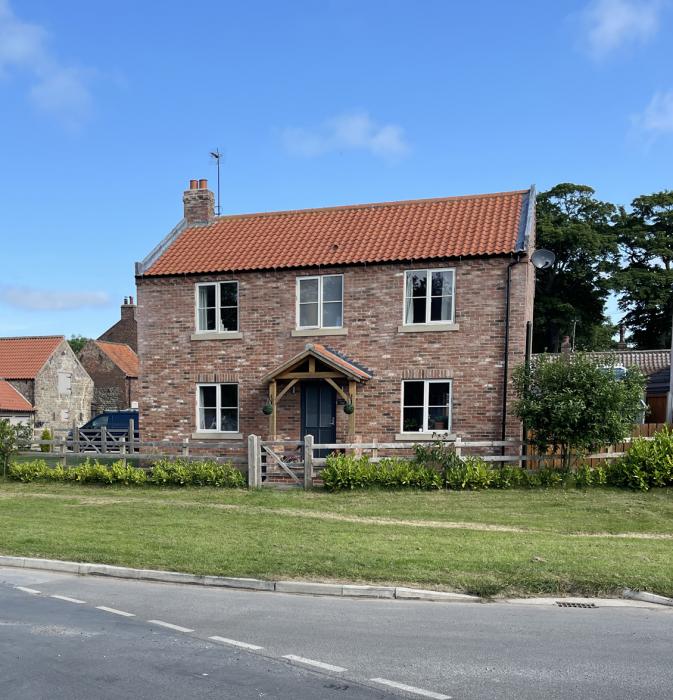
(128, 309)
(621, 345)
(199, 203)
(566, 347)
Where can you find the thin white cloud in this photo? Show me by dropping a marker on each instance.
(56, 88)
(354, 131)
(29, 299)
(657, 118)
(610, 25)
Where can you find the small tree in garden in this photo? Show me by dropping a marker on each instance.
(12, 439)
(577, 403)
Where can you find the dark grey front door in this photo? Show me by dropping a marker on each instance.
(318, 411)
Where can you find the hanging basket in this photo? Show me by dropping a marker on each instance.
(349, 408)
(267, 408)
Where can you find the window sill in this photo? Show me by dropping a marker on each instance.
(425, 437)
(428, 327)
(305, 332)
(217, 335)
(217, 436)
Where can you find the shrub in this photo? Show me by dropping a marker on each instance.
(509, 477)
(648, 464)
(179, 472)
(347, 472)
(469, 473)
(46, 435)
(202, 473)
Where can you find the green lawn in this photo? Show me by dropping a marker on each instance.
(494, 543)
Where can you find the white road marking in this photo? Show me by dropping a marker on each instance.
(411, 689)
(170, 626)
(317, 664)
(233, 642)
(69, 600)
(115, 611)
(26, 590)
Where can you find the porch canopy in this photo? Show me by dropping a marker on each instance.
(316, 362)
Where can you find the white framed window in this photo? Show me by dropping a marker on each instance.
(320, 301)
(217, 408)
(426, 405)
(429, 296)
(217, 307)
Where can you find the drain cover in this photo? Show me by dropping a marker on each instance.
(564, 604)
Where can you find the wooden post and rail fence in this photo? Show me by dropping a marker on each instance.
(295, 463)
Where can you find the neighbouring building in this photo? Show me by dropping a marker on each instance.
(392, 320)
(47, 374)
(125, 331)
(14, 407)
(114, 370)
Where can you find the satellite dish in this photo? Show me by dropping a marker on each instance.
(542, 259)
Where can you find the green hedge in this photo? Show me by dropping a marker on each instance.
(162, 473)
(647, 464)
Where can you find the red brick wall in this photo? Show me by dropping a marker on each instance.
(172, 364)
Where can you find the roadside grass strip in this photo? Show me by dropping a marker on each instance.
(411, 689)
(114, 611)
(170, 626)
(235, 643)
(27, 590)
(317, 664)
(68, 599)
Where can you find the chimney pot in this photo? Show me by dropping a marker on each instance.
(193, 184)
(126, 301)
(131, 301)
(203, 184)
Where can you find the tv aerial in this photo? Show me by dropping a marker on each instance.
(217, 156)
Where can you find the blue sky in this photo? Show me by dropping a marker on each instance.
(107, 110)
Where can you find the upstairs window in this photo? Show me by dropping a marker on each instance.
(217, 307)
(217, 408)
(320, 301)
(429, 296)
(426, 406)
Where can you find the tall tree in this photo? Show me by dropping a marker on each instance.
(645, 282)
(576, 226)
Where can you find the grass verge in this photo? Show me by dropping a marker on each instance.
(489, 543)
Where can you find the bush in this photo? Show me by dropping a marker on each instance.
(46, 435)
(347, 472)
(174, 473)
(648, 464)
(469, 473)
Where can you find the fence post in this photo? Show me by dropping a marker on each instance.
(185, 447)
(75, 439)
(375, 449)
(254, 462)
(103, 440)
(308, 461)
(132, 434)
(64, 452)
(459, 446)
(122, 449)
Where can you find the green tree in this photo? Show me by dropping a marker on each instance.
(645, 283)
(576, 226)
(12, 439)
(577, 403)
(77, 342)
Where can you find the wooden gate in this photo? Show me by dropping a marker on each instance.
(280, 462)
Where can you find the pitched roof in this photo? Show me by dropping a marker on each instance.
(122, 355)
(423, 229)
(327, 355)
(648, 361)
(659, 382)
(23, 358)
(12, 400)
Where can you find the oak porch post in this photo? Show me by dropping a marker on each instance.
(352, 392)
(272, 416)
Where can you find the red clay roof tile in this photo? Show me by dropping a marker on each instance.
(23, 358)
(122, 355)
(12, 400)
(390, 231)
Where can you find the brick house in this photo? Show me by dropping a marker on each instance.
(114, 370)
(47, 374)
(125, 330)
(380, 321)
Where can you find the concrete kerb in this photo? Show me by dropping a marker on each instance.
(301, 587)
